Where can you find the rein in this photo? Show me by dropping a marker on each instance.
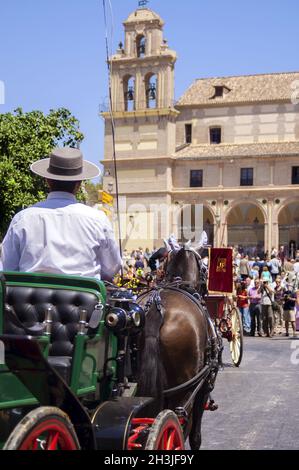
(174, 286)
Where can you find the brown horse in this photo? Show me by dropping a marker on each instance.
(178, 341)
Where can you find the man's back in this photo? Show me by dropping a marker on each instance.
(61, 236)
(274, 265)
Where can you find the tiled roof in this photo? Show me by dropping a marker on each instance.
(193, 152)
(242, 89)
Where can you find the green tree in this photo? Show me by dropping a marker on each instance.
(25, 138)
(92, 192)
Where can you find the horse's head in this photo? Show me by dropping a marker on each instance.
(185, 264)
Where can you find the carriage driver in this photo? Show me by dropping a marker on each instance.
(60, 235)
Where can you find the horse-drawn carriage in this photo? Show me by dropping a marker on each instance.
(185, 270)
(70, 364)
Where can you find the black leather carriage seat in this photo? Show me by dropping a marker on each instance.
(30, 305)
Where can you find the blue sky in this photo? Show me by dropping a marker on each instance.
(52, 52)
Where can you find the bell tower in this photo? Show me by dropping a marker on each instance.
(142, 89)
(143, 68)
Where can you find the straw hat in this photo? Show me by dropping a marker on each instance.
(65, 164)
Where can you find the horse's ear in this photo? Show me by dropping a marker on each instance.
(188, 244)
(203, 241)
(175, 246)
(167, 246)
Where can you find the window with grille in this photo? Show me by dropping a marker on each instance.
(246, 177)
(196, 178)
(295, 175)
(215, 135)
(188, 133)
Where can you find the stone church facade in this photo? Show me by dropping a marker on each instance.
(227, 152)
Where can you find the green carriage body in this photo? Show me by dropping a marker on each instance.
(90, 351)
(77, 372)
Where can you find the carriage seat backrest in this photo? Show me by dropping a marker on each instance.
(31, 303)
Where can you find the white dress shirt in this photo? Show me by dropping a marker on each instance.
(61, 236)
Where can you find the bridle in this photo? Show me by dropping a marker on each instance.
(198, 258)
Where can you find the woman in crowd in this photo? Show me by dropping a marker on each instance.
(243, 305)
(266, 276)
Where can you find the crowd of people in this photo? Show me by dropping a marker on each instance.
(267, 293)
(264, 294)
(139, 263)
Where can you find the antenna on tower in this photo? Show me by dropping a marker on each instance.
(143, 3)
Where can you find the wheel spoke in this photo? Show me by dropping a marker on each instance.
(170, 441)
(35, 444)
(165, 440)
(53, 442)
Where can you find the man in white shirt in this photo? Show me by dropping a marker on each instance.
(60, 235)
(267, 299)
(275, 267)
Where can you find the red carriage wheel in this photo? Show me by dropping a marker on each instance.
(45, 428)
(165, 433)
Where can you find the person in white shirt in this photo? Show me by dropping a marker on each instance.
(267, 299)
(275, 267)
(60, 235)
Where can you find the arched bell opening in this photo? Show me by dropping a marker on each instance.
(141, 45)
(151, 87)
(129, 93)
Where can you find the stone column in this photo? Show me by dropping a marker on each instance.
(149, 43)
(161, 89)
(119, 101)
(224, 235)
(275, 229)
(138, 93)
(167, 223)
(272, 174)
(176, 214)
(269, 227)
(218, 235)
(221, 166)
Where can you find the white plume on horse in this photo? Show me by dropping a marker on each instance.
(173, 245)
(167, 245)
(203, 240)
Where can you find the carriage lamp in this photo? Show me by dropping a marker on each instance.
(48, 321)
(136, 319)
(82, 321)
(116, 319)
(137, 316)
(123, 320)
